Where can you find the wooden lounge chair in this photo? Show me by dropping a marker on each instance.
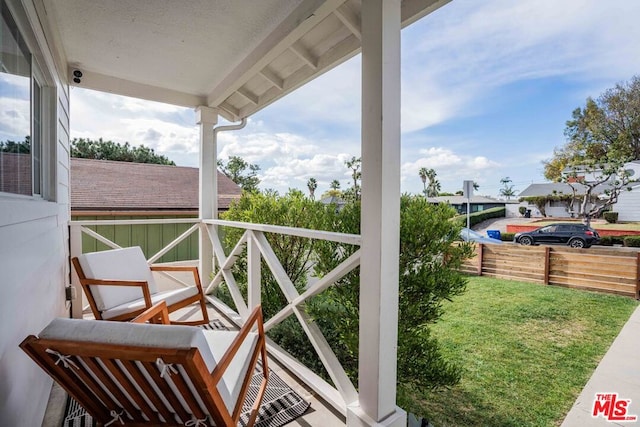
(119, 285)
(150, 375)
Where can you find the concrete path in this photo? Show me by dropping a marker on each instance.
(618, 372)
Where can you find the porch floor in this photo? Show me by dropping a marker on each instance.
(319, 413)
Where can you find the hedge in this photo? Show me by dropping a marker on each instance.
(632, 241)
(507, 237)
(478, 217)
(611, 217)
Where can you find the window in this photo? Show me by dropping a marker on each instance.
(20, 112)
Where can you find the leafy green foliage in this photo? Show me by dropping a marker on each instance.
(522, 210)
(429, 262)
(20, 147)
(428, 275)
(605, 128)
(507, 237)
(478, 217)
(610, 217)
(241, 172)
(99, 149)
(295, 253)
(632, 241)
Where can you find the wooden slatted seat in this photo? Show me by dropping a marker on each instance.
(147, 374)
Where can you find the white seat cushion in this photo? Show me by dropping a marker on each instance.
(219, 342)
(117, 264)
(170, 297)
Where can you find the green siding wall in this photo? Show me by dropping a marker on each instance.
(150, 237)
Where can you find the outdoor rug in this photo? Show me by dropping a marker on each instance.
(280, 404)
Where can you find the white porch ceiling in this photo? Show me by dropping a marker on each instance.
(235, 55)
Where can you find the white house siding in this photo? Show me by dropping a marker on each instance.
(34, 249)
(628, 206)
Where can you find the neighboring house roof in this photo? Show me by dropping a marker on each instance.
(103, 185)
(557, 188)
(548, 188)
(460, 200)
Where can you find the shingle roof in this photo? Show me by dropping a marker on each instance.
(557, 188)
(460, 200)
(125, 186)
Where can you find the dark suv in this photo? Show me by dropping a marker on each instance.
(574, 235)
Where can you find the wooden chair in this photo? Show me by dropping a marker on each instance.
(119, 285)
(150, 375)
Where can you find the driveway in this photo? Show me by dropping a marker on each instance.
(500, 224)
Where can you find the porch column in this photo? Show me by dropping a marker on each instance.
(380, 218)
(207, 118)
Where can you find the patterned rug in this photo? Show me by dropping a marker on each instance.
(280, 404)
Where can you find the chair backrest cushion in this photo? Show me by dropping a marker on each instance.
(117, 264)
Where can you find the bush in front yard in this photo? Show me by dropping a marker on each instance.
(611, 217)
(478, 217)
(632, 241)
(522, 210)
(507, 237)
(606, 241)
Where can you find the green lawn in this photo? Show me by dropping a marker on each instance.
(526, 351)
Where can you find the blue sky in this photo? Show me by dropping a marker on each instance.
(487, 87)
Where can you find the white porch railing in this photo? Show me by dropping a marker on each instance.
(258, 248)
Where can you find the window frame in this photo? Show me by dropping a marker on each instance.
(45, 188)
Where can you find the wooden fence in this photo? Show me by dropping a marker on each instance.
(606, 270)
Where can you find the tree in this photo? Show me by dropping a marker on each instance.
(612, 176)
(86, 148)
(242, 173)
(312, 184)
(607, 128)
(356, 174)
(333, 191)
(20, 147)
(430, 259)
(432, 188)
(423, 173)
(507, 189)
(429, 275)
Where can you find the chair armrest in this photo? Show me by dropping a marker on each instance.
(156, 314)
(143, 284)
(255, 318)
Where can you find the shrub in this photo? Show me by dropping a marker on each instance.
(611, 217)
(522, 210)
(606, 241)
(478, 217)
(507, 237)
(632, 241)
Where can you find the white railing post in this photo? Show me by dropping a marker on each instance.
(253, 272)
(380, 220)
(75, 243)
(207, 118)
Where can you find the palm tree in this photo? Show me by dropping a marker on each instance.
(433, 189)
(335, 185)
(507, 190)
(354, 164)
(422, 173)
(312, 184)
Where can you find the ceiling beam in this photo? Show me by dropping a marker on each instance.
(350, 20)
(306, 16)
(104, 83)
